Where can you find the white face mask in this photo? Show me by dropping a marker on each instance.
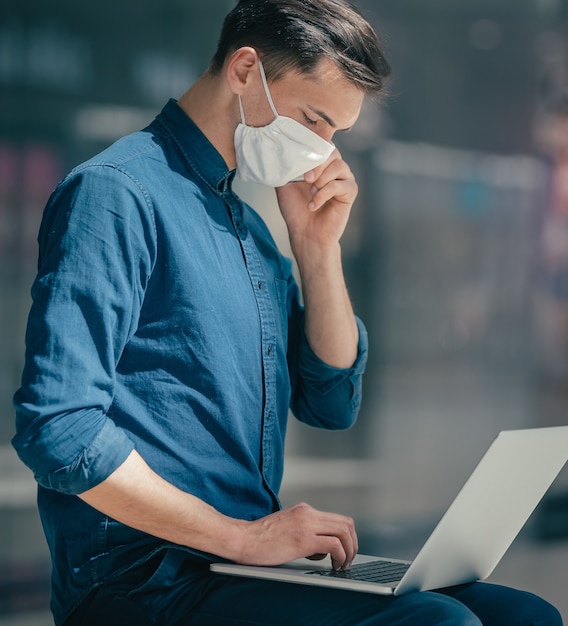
(279, 153)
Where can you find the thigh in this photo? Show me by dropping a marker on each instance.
(496, 605)
(245, 602)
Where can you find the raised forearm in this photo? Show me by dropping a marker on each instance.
(330, 324)
(316, 213)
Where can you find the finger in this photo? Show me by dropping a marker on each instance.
(343, 540)
(334, 547)
(336, 181)
(351, 543)
(342, 191)
(355, 543)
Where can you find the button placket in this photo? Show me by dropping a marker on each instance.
(268, 331)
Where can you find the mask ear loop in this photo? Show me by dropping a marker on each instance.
(266, 90)
(242, 110)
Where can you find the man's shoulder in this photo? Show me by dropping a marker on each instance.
(128, 152)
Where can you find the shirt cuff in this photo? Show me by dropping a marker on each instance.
(325, 377)
(106, 452)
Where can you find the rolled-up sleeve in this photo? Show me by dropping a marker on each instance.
(329, 397)
(96, 248)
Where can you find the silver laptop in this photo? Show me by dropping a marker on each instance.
(472, 536)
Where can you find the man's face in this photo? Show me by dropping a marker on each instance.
(323, 101)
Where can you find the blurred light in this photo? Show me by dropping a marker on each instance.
(109, 122)
(549, 46)
(373, 123)
(549, 8)
(485, 34)
(17, 485)
(159, 76)
(45, 56)
(451, 164)
(314, 472)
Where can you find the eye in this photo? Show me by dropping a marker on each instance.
(309, 121)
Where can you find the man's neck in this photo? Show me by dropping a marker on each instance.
(212, 107)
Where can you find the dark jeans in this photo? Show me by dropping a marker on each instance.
(174, 591)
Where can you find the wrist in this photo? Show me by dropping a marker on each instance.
(237, 545)
(315, 255)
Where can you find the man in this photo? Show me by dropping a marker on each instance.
(166, 343)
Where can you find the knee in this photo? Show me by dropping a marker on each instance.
(546, 615)
(528, 609)
(496, 604)
(532, 610)
(554, 619)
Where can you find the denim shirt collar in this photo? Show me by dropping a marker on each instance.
(197, 150)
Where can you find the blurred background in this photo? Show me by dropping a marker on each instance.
(456, 255)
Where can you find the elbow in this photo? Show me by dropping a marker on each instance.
(337, 409)
(70, 460)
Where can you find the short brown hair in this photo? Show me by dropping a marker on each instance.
(297, 34)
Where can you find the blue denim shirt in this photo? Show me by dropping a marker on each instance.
(164, 319)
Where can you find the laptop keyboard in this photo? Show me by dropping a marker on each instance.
(373, 571)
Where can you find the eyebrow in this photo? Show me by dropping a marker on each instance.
(325, 117)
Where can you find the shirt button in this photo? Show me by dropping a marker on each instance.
(260, 284)
(269, 350)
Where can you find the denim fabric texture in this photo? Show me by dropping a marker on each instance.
(164, 319)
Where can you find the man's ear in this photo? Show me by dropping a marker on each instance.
(241, 66)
